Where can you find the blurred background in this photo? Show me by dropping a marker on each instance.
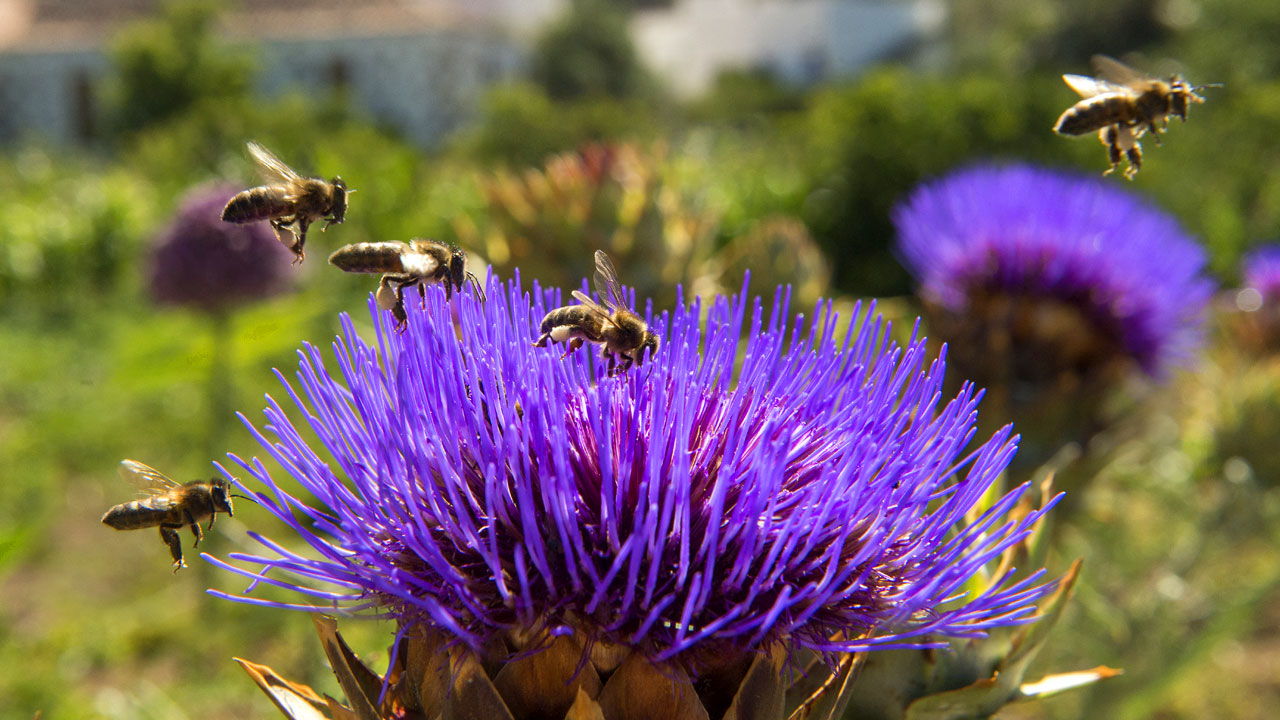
(693, 139)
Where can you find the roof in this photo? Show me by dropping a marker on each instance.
(42, 25)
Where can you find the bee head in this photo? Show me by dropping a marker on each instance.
(650, 343)
(338, 207)
(457, 268)
(1183, 93)
(220, 493)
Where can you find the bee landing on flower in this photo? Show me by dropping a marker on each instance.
(549, 537)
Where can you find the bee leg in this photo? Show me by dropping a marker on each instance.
(1135, 161)
(542, 340)
(287, 237)
(1111, 138)
(195, 527)
(1155, 130)
(574, 344)
(303, 223)
(169, 534)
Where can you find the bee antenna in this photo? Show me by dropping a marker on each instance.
(244, 497)
(475, 283)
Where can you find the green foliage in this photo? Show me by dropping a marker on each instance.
(588, 53)
(166, 66)
(1053, 35)
(521, 125)
(874, 140)
(745, 98)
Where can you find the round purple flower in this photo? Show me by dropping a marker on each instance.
(1261, 270)
(790, 488)
(1032, 232)
(201, 262)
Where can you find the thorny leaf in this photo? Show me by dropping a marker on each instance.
(831, 699)
(987, 695)
(360, 684)
(295, 700)
(639, 691)
(1060, 682)
(473, 696)
(761, 694)
(584, 708)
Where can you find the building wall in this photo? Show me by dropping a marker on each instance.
(50, 94)
(801, 41)
(424, 85)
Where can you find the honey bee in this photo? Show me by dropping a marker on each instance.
(1124, 105)
(416, 262)
(288, 199)
(170, 505)
(620, 332)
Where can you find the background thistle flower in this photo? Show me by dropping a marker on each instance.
(203, 263)
(1254, 316)
(1052, 288)
(488, 494)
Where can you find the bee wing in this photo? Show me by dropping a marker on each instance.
(1088, 87)
(272, 167)
(585, 301)
(1116, 72)
(146, 477)
(607, 285)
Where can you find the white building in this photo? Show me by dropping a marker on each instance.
(799, 41)
(416, 65)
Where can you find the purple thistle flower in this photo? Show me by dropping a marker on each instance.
(807, 491)
(1030, 231)
(1261, 270)
(201, 262)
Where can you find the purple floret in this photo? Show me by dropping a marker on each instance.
(1261, 268)
(202, 262)
(810, 494)
(1042, 233)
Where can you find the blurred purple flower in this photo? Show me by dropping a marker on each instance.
(815, 494)
(201, 262)
(1038, 233)
(1261, 270)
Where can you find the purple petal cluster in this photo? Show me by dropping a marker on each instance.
(1032, 231)
(807, 485)
(199, 261)
(1261, 270)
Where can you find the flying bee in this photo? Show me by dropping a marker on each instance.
(288, 199)
(622, 334)
(1122, 106)
(416, 262)
(170, 505)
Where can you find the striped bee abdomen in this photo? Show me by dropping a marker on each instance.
(134, 515)
(259, 203)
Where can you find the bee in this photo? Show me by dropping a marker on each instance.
(170, 505)
(416, 262)
(1124, 105)
(621, 333)
(288, 199)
